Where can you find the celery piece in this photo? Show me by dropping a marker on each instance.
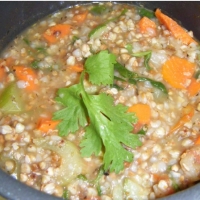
(98, 31)
(10, 99)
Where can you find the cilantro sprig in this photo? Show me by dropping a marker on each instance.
(110, 125)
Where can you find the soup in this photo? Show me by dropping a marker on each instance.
(101, 101)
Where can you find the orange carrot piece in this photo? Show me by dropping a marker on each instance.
(27, 75)
(176, 30)
(2, 73)
(76, 68)
(54, 33)
(46, 124)
(194, 87)
(197, 142)
(187, 115)
(178, 72)
(147, 26)
(80, 17)
(142, 111)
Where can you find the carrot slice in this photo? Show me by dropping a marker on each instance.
(197, 141)
(178, 72)
(28, 75)
(194, 87)
(80, 17)
(176, 30)
(46, 124)
(147, 26)
(187, 115)
(76, 68)
(142, 111)
(2, 73)
(54, 33)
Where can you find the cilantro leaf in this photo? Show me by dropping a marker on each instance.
(75, 113)
(100, 67)
(113, 124)
(110, 125)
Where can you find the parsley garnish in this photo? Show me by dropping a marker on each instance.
(110, 125)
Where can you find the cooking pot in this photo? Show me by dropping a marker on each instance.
(17, 16)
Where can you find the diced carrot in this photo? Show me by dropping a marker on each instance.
(2, 73)
(142, 111)
(187, 115)
(80, 17)
(197, 142)
(46, 124)
(76, 68)
(53, 33)
(194, 87)
(28, 75)
(178, 72)
(176, 30)
(148, 26)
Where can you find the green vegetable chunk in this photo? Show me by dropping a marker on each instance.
(98, 31)
(10, 100)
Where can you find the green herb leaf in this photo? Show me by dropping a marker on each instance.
(197, 75)
(82, 177)
(34, 64)
(100, 67)
(74, 115)
(27, 41)
(134, 78)
(110, 121)
(74, 38)
(99, 10)
(107, 121)
(65, 194)
(147, 57)
(146, 13)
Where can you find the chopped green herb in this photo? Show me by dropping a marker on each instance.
(65, 194)
(41, 50)
(26, 41)
(99, 10)
(82, 177)
(34, 64)
(142, 131)
(197, 75)
(175, 185)
(146, 13)
(147, 57)
(99, 175)
(74, 38)
(134, 78)
(107, 121)
(99, 192)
